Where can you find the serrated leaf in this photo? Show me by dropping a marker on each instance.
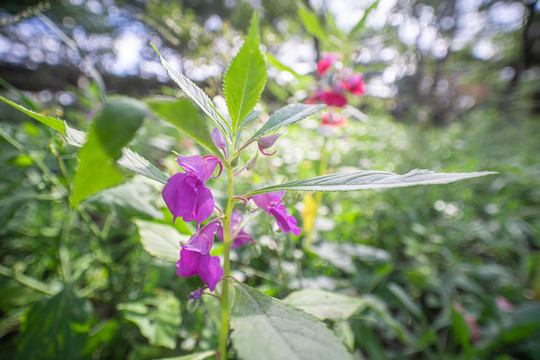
(161, 241)
(287, 115)
(157, 315)
(266, 328)
(112, 128)
(246, 76)
(254, 114)
(198, 96)
(324, 304)
(370, 179)
(51, 121)
(311, 23)
(55, 328)
(360, 25)
(185, 117)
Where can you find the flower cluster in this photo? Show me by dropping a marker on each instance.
(333, 88)
(187, 196)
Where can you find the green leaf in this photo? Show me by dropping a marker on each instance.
(185, 117)
(157, 315)
(324, 304)
(279, 65)
(55, 328)
(370, 179)
(406, 300)
(196, 356)
(311, 23)
(360, 25)
(161, 241)
(112, 128)
(266, 328)
(246, 76)
(198, 96)
(287, 115)
(53, 122)
(254, 114)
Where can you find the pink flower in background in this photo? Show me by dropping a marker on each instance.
(271, 204)
(195, 258)
(504, 304)
(334, 119)
(334, 98)
(185, 194)
(326, 61)
(354, 84)
(242, 237)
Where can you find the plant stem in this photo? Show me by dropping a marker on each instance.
(227, 242)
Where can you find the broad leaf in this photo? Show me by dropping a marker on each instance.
(55, 328)
(370, 179)
(184, 116)
(53, 122)
(161, 241)
(254, 114)
(287, 115)
(324, 304)
(311, 23)
(266, 328)
(360, 25)
(157, 315)
(198, 96)
(245, 79)
(112, 128)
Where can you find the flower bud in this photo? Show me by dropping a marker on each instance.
(266, 142)
(252, 162)
(218, 139)
(234, 162)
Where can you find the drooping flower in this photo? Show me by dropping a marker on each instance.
(219, 139)
(271, 204)
(326, 61)
(266, 142)
(185, 194)
(242, 237)
(195, 258)
(354, 84)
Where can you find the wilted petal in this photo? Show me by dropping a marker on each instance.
(180, 195)
(210, 270)
(286, 222)
(188, 263)
(203, 240)
(196, 295)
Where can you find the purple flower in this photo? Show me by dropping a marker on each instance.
(242, 237)
(196, 295)
(266, 142)
(218, 138)
(271, 204)
(195, 258)
(185, 194)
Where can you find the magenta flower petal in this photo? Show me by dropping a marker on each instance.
(242, 237)
(201, 167)
(286, 222)
(187, 265)
(334, 98)
(210, 270)
(267, 200)
(205, 203)
(180, 195)
(203, 240)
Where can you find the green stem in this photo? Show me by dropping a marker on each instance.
(227, 242)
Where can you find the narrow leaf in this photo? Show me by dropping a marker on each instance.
(370, 179)
(53, 122)
(360, 25)
(266, 328)
(245, 79)
(324, 304)
(198, 96)
(287, 115)
(112, 128)
(161, 241)
(279, 65)
(183, 115)
(195, 356)
(311, 23)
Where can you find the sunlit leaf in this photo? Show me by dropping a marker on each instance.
(311, 23)
(246, 76)
(53, 122)
(287, 115)
(161, 241)
(157, 315)
(266, 328)
(112, 128)
(278, 64)
(324, 304)
(360, 25)
(198, 96)
(370, 179)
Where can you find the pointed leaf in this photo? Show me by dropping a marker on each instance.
(198, 96)
(245, 79)
(360, 25)
(324, 304)
(266, 328)
(161, 241)
(311, 23)
(183, 115)
(370, 179)
(279, 65)
(254, 114)
(287, 115)
(53, 122)
(112, 128)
